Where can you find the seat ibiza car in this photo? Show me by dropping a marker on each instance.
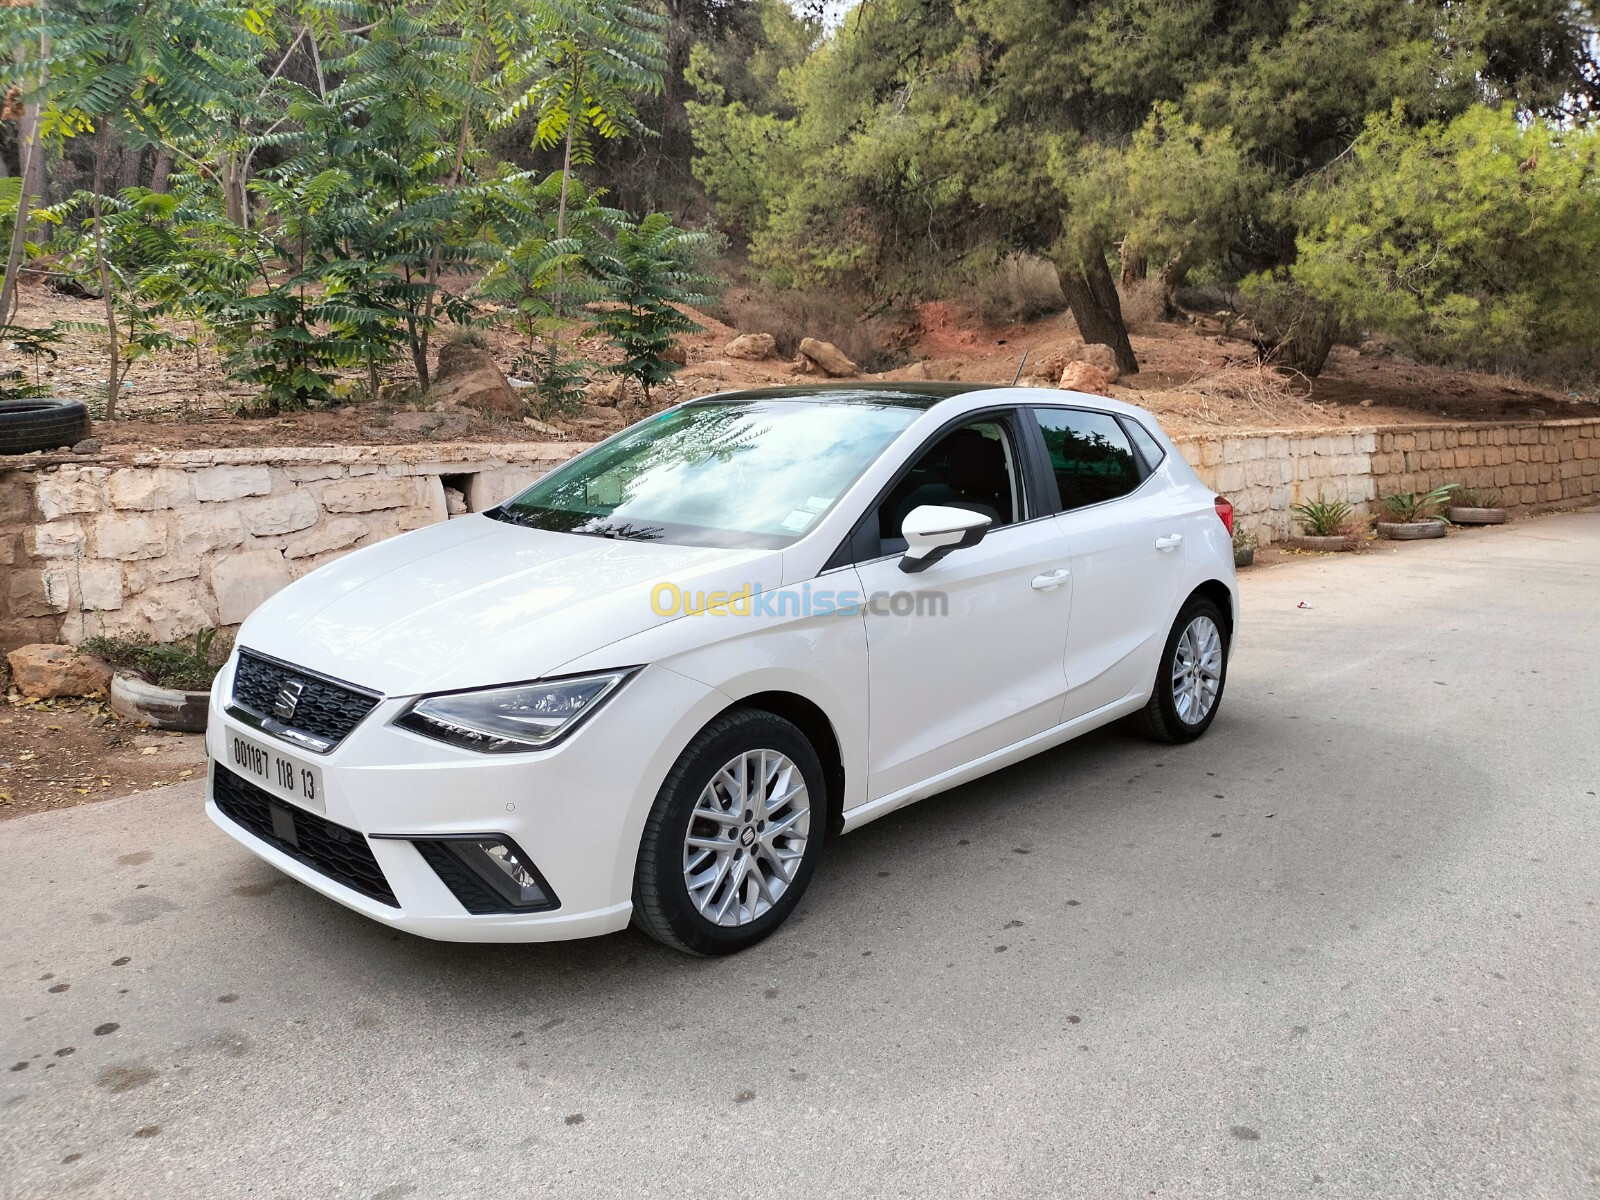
(651, 687)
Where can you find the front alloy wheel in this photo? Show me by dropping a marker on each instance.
(733, 837)
(747, 837)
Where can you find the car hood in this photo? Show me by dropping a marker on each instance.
(474, 602)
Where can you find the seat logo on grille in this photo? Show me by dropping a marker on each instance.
(288, 698)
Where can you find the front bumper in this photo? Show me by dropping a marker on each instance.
(577, 809)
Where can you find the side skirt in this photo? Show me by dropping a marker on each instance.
(994, 761)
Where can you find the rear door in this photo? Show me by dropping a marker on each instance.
(1125, 530)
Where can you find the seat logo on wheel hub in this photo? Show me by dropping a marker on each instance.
(748, 837)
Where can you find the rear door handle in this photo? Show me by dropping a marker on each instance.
(1171, 542)
(1050, 579)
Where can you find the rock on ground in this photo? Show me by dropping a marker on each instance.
(1086, 377)
(469, 377)
(826, 357)
(610, 393)
(45, 671)
(753, 347)
(1048, 368)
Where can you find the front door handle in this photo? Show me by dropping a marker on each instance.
(1050, 579)
(1171, 542)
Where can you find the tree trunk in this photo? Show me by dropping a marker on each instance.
(1092, 296)
(30, 171)
(456, 170)
(1173, 276)
(233, 197)
(1134, 268)
(32, 155)
(102, 147)
(159, 172)
(559, 299)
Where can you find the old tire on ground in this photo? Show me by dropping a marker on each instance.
(1191, 677)
(29, 425)
(1411, 531)
(1461, 515)
(733, 837)
(163, 707)
(1323, 543)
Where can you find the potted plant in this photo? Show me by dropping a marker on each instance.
(164, 684)
(1324, 524)
(1409, 516)
(1244, 547)
(1475, 506)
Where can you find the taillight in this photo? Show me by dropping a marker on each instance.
(1225, 513)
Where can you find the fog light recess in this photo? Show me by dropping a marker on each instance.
(487, 873)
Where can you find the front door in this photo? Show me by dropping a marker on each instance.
(964, 658)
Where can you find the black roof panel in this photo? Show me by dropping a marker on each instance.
(908, 393)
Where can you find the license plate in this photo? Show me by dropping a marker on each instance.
(281, 774)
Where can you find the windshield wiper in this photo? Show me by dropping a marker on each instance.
(624, 533)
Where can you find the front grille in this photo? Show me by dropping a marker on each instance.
(339, 853)
(326, 710)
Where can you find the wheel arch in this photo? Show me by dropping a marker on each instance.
(807, 716)
(1219, 594)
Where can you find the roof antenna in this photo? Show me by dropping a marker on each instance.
(1020, 365)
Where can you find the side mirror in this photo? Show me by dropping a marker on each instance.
(933, 530)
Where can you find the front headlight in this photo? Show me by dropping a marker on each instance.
(524, 716)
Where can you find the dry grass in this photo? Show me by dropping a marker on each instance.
(1143, 306)
(1239, 394)
(1018, 287)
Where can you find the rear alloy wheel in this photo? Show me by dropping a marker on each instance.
(1190, 679)
(733, 837)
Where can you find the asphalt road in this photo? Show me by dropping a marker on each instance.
(1346, 945)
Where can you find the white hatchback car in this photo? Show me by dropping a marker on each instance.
(649, 688)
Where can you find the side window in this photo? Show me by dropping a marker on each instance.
(973, 467)
(1090, 456)
(1149, 448)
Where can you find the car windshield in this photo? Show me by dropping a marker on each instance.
(736, 473)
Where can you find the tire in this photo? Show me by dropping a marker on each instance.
(689, 800)
(29, 425)
(1161, 719)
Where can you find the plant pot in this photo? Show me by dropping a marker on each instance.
(1411, 531)
(1330, 543)
(163, 707)
(1475, 516)
(1243, 558)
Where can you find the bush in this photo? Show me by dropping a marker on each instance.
(1293, 330)
(557, 378)
(188, 666)
(1017, 287)
(649, 275)
(1144, 304)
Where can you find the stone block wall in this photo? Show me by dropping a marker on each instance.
(1532, 464)
(164, 544)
